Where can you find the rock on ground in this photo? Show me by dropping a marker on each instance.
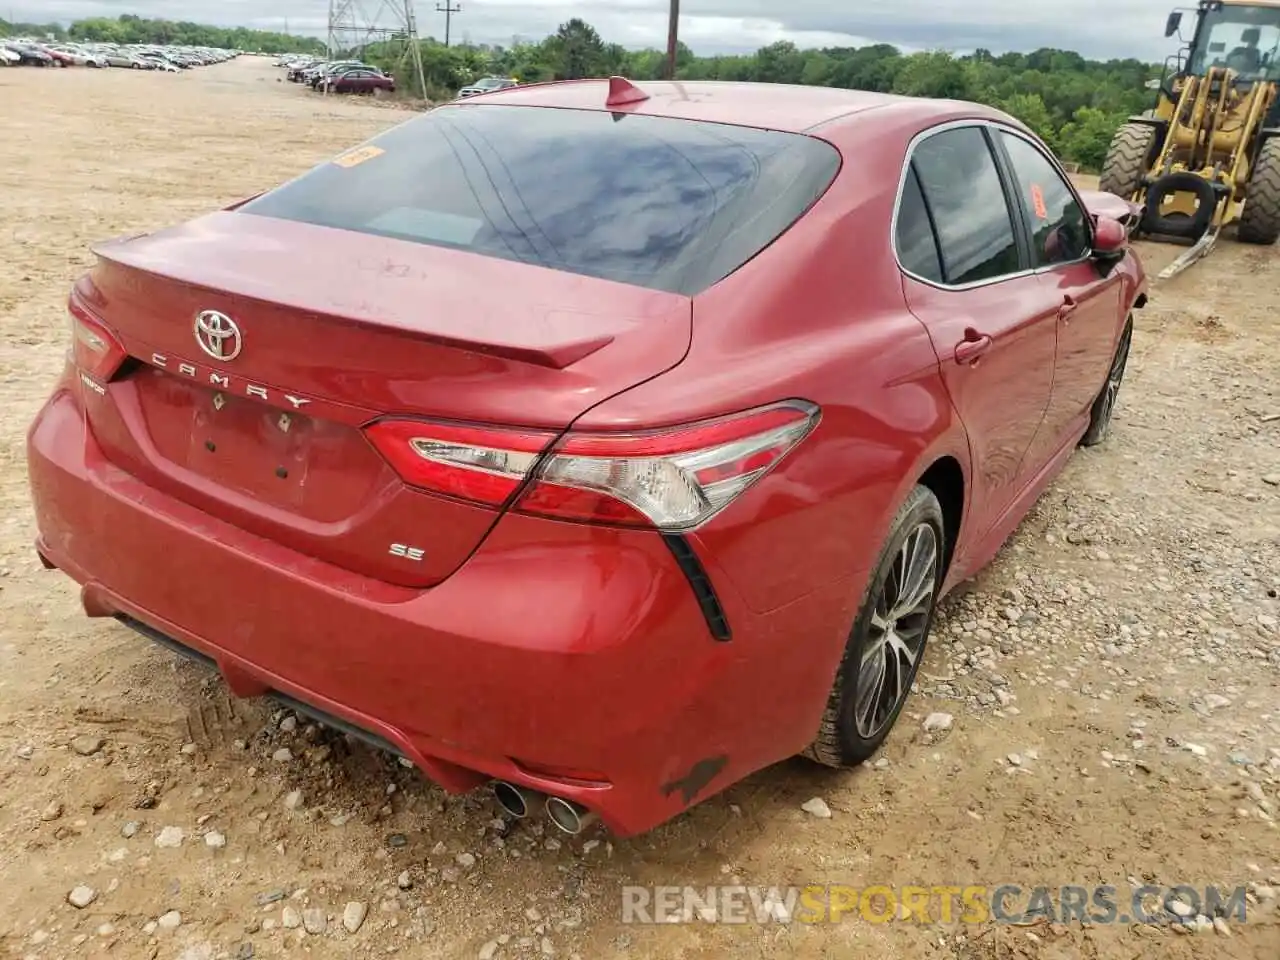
(817, 807)
(353, 915)
(81, 896)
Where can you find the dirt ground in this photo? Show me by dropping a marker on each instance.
(1114, 678)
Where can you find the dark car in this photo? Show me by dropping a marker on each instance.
(31, 56)
(357, 80)
(602, 444)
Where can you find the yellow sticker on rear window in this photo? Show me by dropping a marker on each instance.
(359, 155)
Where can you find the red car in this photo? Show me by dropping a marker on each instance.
(358, 80)
(606, 453)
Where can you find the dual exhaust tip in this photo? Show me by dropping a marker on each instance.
(571, 818)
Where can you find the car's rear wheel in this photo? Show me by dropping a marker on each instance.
(1104, 407)
(888, 638)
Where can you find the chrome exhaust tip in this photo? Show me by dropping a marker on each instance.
(570, 817)
(515, 800)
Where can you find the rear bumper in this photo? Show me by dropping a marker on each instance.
(556, 646)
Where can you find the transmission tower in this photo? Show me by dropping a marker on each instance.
(354, 24)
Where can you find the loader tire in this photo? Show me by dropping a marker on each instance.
(1127, 159)
(1260, 221)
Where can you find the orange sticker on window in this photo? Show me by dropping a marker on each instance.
(1037, 200)
(358, 156)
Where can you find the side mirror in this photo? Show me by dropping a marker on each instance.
(1173, 23)
(1110, 238)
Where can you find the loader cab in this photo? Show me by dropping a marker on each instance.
(1244, 37)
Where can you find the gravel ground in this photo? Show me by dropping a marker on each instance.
(1100, 707)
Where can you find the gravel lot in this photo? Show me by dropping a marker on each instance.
(1113, 681)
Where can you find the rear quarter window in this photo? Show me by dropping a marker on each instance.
(667, 204)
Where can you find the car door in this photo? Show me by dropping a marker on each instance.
(1087, 304)
(968, 280)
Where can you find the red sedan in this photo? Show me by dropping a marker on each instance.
(605, 454)
(358, 80)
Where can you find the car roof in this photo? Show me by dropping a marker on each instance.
(791, 108)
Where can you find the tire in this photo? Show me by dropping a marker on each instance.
(1260, 221)
(842, 739)
(1191, 227)
(1104, 405)
(1127, 160)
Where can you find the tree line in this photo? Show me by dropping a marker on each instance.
(1074, 103)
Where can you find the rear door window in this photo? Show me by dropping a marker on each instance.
(917, 245)
(663, 203)
(962, 186)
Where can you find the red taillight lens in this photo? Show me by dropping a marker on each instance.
(94, 348)
(672, 479)
(479, 464)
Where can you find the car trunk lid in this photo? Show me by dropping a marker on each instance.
(335, 329)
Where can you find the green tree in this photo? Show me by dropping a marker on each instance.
(576, 51)
(1030, 109)
(936, 74)
(1086, 138)
(780, 62)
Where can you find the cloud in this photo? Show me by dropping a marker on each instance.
(1097, 28)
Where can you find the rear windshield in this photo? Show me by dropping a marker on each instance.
(666, 204)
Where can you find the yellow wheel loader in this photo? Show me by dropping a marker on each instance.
(1208, 154)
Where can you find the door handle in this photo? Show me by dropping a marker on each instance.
(973, 346)
(1068, 307)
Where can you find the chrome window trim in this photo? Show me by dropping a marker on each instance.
(999, 127)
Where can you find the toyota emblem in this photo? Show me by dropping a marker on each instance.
(218, 335)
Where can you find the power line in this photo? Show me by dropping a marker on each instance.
(448, 9)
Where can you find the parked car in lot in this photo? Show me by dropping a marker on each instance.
(317, 75)
(9, 58)
(487, 85)
(357, 80)
(125, 59)
(158, 61)
(60, 58)
(30, 55)
(78, 55)
(606, 476)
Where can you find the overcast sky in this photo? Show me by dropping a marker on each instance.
(1097, 28)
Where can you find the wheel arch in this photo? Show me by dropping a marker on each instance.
(945, 478)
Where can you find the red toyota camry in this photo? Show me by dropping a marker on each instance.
(601, 443)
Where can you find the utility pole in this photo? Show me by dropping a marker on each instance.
(673, 32)
(448, 9)
(414, 47)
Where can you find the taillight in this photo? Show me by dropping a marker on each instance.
(94, 348)
(479, 464)
(673, 479)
